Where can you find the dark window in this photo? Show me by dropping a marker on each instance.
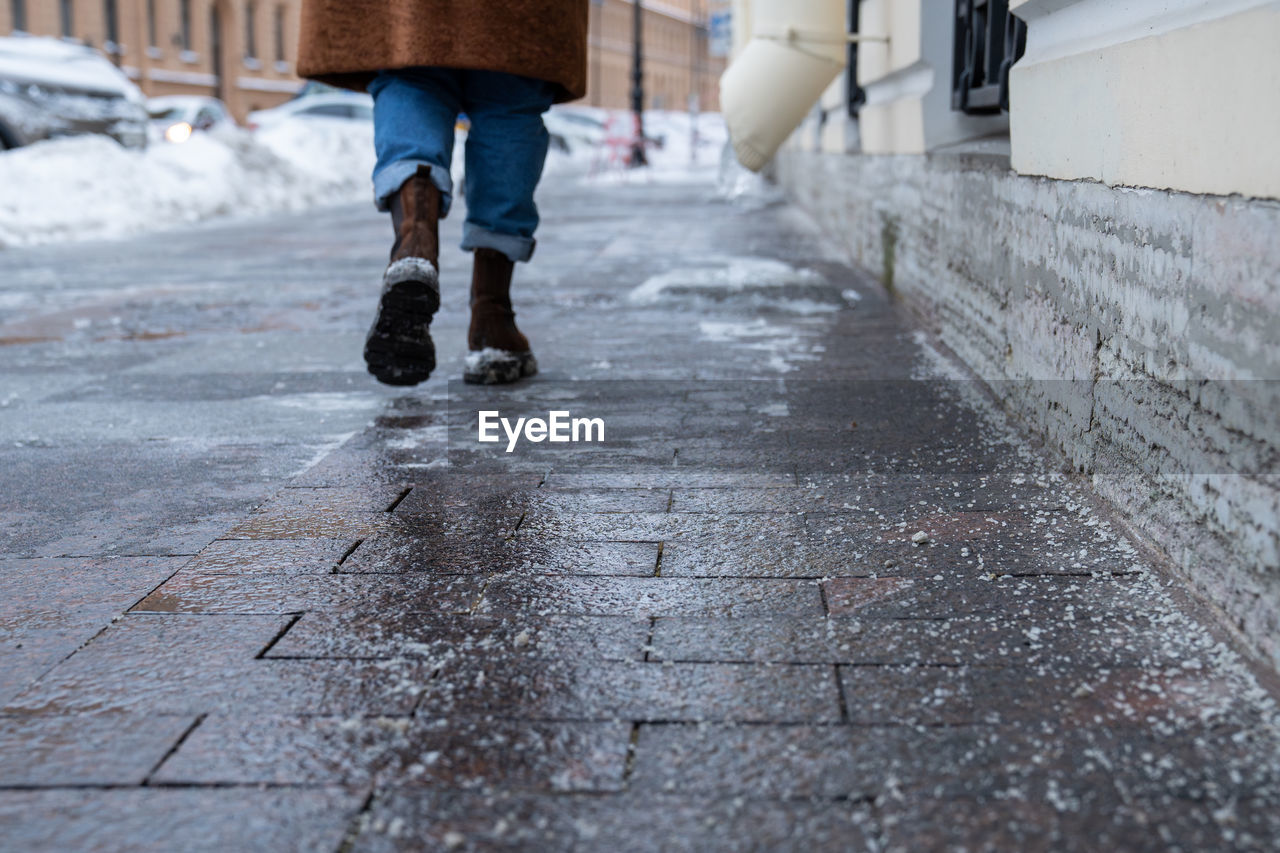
(20, 15)
(857, 97)
(250, 30)
(151, 23)
(66, 18)
(109, 13)
(988, 40)
(279, 34)
(184, 11)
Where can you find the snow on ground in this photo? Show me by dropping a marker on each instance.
(88, 187)
(681, 157)
(727, 273)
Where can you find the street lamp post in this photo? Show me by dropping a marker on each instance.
(637, 88)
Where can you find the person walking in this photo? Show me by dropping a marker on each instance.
(425, 62)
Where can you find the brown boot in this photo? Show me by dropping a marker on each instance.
(398, 349)
(497, 352)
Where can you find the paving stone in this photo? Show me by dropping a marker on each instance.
(734, 530)
(337, 501)
(130, 820)
(730, 501)
(444, 488)
(85, 749)
(896, 495)
(395, 554)
(562, 502)
(162, 499)
(189, 592)
(439, 636)
(633, 477)
(409, 820)
(357, 468)
(582, 690)
(941, 695)
(75, 592)
(974, 640)
(1012, 824)
(310, 686)
(843, 762)
(763, 556)
(300, 523)
(451, 753)
(1042, 597)
(320, 513)
(764, 761)
(31, 653)
(455, 523)
(509, 594)
(270, 556)
(187, 665)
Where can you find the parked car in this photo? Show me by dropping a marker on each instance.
(575, 127)
(336, 104)
(51, 88)
(175, 118)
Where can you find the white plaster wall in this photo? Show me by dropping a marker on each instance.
(1176, 94)
(908, 81)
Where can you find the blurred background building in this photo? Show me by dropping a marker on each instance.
(243, 51)
(680, 59)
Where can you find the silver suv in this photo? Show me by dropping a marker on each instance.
(51, 88)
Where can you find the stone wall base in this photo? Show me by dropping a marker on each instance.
(1135, 330)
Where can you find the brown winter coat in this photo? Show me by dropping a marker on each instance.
(345, 42)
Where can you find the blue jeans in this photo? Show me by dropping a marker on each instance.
(414, 113)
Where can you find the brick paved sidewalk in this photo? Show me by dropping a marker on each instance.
(809, 593)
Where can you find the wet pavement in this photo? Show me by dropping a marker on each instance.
(810, 592)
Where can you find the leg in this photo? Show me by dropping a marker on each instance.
(414, 113)
(506, 149)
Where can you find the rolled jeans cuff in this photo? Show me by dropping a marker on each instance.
(388, 182)
(514, 246)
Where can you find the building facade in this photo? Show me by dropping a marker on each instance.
(678, 63)
(1080, 199)
(242, 51)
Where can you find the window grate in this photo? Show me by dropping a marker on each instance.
(988, 40)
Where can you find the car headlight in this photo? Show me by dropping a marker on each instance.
(179, 132)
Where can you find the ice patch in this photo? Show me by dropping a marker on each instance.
(731, 274)
(783, 345)
(441, 462)
(745, 189)
(329, 401)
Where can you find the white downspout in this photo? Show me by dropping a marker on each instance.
(796, 50)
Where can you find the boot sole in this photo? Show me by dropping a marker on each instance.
(498, 367)
(398, 349)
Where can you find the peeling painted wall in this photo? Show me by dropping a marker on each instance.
(1138, 331)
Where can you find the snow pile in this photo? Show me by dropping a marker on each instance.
(89, 187)
(682, 157)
